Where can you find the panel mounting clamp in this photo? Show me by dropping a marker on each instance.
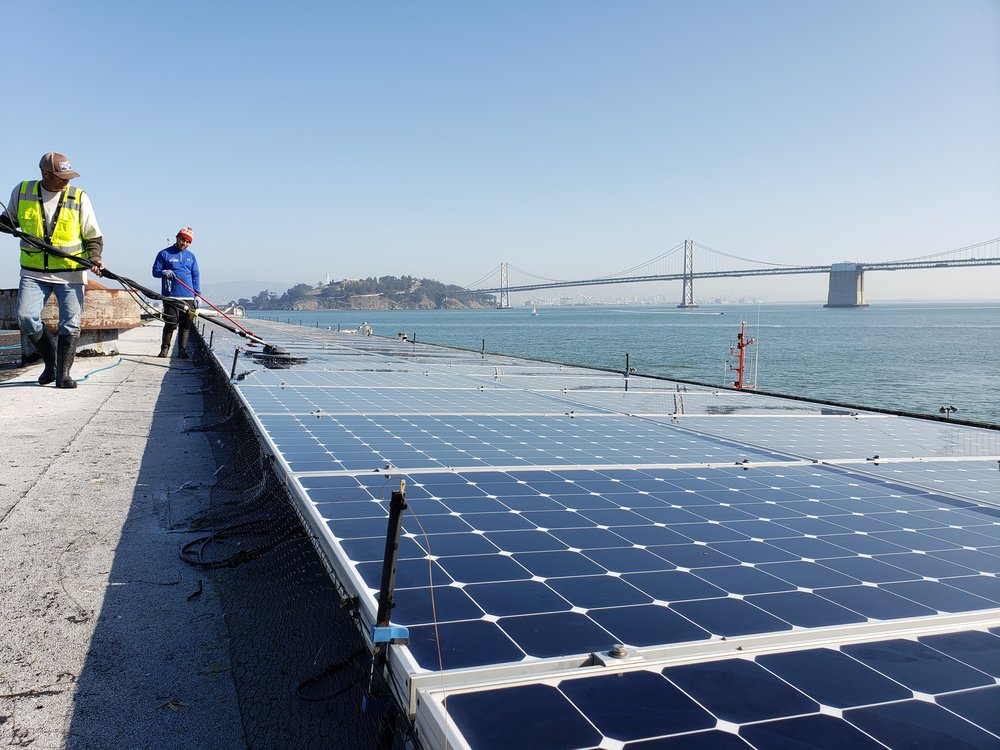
(393, 634)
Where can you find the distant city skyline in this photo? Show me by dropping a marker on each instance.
(569, 138)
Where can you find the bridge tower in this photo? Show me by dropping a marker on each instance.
(687, 293)
(504, 303)
(847, 286)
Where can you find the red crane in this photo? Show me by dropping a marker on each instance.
(742, 342)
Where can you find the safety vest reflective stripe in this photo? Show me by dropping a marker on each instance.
(66, 234)
(72, 201)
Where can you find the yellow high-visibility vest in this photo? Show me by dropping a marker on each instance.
(66, 233)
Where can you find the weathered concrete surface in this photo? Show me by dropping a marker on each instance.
(103, 309)
(108, 639)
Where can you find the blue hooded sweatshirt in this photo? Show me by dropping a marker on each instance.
(185, 267)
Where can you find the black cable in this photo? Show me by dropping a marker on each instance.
(193, 552)
(351, 661)
(129, 284)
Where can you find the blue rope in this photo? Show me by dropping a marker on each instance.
(100, 369)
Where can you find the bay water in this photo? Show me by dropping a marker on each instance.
(907, 356)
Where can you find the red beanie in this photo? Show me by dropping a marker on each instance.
(187, 233)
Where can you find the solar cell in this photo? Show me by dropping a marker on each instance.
(978, 707)
(805, 730)
(628, 707)
(538, 715)
(976, 648)
(556, 634)
(461, 644)
(875, 603)
(804, 610)
(729, 617)
(917, 723)
(647, 625)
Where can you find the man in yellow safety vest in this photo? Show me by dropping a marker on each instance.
(62, 216)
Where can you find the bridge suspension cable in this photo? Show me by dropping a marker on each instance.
(661, 256)
(534, 275)
(616, 275)
(956, 251)
(492, 272)
(746, 260)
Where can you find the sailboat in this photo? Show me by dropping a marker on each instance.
(534, 310)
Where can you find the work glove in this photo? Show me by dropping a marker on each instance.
(6, 225)
(168, 274)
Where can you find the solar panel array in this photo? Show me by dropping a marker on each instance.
(594, 560)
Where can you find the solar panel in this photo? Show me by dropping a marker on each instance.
(461, 398)
(323, 442)
(866, 438)
(933, 691)
(658, 398)
(978, 481)
(561, 545)
(748, 554)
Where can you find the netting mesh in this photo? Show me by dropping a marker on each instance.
(301, 666)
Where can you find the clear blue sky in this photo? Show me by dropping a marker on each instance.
(570, 139)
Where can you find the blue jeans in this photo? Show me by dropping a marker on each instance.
(31, 297)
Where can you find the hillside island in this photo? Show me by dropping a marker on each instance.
(383, 293)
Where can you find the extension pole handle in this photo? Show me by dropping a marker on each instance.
(207, 302)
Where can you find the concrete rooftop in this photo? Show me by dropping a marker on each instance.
(107, 638)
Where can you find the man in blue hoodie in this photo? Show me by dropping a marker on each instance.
(177, 268)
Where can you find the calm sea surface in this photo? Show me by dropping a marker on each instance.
(911, 357)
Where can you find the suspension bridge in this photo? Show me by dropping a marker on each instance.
(846, 280)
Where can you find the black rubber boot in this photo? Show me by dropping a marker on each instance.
(168, 336)
(182, 342)
(46, 348)
(65, 353)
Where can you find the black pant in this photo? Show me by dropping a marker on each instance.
(175, 316)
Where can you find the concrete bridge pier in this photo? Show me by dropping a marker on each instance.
(847, 286)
